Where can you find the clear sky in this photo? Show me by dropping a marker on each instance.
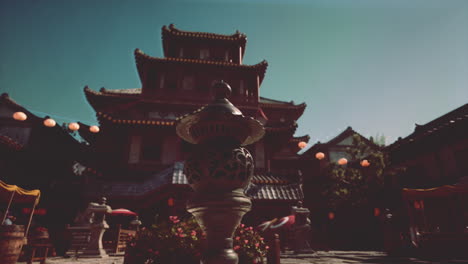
(378, 66)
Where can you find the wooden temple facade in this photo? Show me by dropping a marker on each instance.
(434, 189)
(136, 160)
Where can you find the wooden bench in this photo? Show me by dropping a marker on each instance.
(80, 237)
(37, 252)
(115, 240)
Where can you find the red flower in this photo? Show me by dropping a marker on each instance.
(236, 247)
(257, 245)
(267, 247)
(246, 241)
(237, 238)
(193, 233)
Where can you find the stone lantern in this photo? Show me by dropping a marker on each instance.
(218, 170)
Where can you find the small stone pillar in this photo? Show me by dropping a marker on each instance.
(135, 223)
(301, 229)
(97, 216)
(218, 170)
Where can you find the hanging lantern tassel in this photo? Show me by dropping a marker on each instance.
(20, 116)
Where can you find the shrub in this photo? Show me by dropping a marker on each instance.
(180, 241)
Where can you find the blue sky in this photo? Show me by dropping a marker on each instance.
(378, 66)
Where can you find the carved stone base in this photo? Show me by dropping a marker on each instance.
(94, 253)
(219, 215)
(95, 249)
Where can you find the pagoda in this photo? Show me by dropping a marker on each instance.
(136, 160)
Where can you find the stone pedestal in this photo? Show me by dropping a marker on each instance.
(218, 170)
(219, 215)
(95, 248)
(97, 218)
(301, 229)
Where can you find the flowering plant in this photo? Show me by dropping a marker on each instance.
(180, 241)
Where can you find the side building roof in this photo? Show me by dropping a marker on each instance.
(349, 131)
(456, 119)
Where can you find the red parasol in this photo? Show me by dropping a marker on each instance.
(122, 211)
(284, 222)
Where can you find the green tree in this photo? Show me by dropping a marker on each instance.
(353, 184)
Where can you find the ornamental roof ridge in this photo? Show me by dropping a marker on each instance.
(113, 92)
(171, 30)
(450, 119)
(268, 102)
(9, 101)
(305, 138)
(140, 56)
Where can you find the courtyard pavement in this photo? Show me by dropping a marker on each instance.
(319, 257)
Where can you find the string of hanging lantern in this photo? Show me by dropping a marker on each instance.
(343, 161)
(50, 122)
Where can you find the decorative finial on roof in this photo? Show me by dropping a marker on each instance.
(102, 90)
(171, 26)
(222, 90)
(5, 95)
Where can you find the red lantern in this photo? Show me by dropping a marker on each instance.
(365, 163)
(376, 212)
(342, 161)
(73, 126)
(319, 155)
(94, 129)
(302, 144)
(49, 122)
(20, 116)
(170, 201)
(331, 215)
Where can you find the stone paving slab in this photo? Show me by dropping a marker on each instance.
(365, 257)
(319, 257)
(71, 260)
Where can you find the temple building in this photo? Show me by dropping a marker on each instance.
(136, 160)
(338, 227)
(433, 192)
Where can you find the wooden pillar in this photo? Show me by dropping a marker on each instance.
(273, 256)
(8, 207)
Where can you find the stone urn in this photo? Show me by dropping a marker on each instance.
(218, 170)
